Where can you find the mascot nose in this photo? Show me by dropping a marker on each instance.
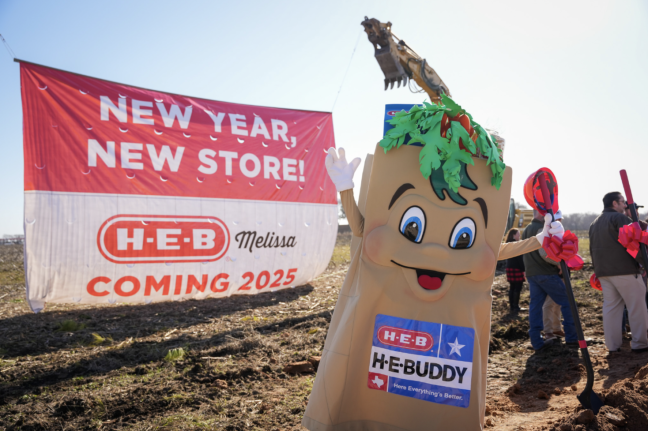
(435, 251)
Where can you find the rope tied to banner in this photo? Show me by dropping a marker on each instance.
(6, 44)
(347, 70)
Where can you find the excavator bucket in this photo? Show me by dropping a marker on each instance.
(380, 37)
(391, 67)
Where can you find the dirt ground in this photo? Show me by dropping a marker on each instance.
(221, 363)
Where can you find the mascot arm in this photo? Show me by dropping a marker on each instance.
(511, 249)
(355, 219)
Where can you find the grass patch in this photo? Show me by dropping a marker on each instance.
(70, 326)
(583, 249)
(15, 276)
(184, 421)
(341, 255)
(99, 411)
(581, 284)
(175, 355)
(98, 340)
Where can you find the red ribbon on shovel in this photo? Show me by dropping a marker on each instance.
(631, 237)
(565, 248)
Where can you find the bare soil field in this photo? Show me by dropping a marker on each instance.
(249, 362)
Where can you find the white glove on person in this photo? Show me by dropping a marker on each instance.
(340, 171)
(550, 228)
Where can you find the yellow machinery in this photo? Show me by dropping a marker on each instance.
(522, 218)
(401, 63)
(518, 218)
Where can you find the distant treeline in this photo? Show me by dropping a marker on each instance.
(582, 221)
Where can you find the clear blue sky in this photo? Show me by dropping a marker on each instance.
(564, 82)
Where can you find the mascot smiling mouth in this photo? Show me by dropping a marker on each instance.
(427, 278)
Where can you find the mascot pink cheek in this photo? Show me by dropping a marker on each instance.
(483, 265)
(373, 246)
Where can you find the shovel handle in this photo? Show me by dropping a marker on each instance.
(634, 212)
(582, 344)
(545, 194)
(626, 186)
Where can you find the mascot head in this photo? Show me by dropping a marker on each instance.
(437, 201)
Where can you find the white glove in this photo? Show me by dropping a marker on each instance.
(339, 170)
(550, 228)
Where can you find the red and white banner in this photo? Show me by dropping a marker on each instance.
(133, 195)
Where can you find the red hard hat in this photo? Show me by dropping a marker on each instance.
(533, 194)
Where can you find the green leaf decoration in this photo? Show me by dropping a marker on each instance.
(429, 157)
(452, 105)
(441, 158)
(488, 147)
(398, 116)
(431, 121)
(458, 132)
(396, 137)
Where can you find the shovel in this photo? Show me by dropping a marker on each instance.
(588, 398)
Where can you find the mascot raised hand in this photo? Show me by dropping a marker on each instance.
(407, 347)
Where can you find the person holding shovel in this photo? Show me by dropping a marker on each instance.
(544, 280)
(620, 276)
(551, 310)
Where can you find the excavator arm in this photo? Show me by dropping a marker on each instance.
(399, 62)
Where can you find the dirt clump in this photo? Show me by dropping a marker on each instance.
(299, 368)
(585, 416)
(626, 405)
(315, 361)
(613, 416)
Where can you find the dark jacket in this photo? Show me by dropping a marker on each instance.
(516, 262)
(533, 262)
(609, 257)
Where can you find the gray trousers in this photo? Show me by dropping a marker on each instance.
(551, 316)
(628, 290)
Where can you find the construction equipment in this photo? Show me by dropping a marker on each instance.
(399, 62)
(518, 218)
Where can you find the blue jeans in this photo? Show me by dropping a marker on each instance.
(540, 286)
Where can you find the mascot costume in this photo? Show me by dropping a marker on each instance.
(407, 347)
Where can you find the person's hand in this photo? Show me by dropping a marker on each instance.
(340, 171)
(550, 228)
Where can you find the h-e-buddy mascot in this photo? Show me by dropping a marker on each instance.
(407, 346)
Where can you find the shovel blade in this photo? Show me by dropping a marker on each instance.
(590, 400)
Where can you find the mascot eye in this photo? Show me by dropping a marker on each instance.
(412, 225)
(463, 234)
